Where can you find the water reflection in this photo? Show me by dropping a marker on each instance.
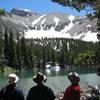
(48, 71)
(57, 79)
(55, 68)
(57, 71)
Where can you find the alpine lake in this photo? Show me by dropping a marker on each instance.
(56, 78)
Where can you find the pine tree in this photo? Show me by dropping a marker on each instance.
(12, 51)
(31, 56)
(24, 53)
(43, 56)
(1, 52)
(97, 53)
(1, 46)
(6, 47)
(18, 52)
(48, 54)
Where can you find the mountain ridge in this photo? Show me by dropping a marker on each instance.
(35, 25)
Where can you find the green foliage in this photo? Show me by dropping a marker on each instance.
(90, 16)
(24, 53)
(1, 44)
(18, 52)
(29, 53)
(2, 12)
(97, 58)
(78, 4)
(63, 51)
(1, 49)
(98, 24)
(6, 47)
(12, 51)
(87, 58)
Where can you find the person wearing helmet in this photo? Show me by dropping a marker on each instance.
(11, 92)
(73, 91)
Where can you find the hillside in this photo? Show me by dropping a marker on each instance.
(52, 25)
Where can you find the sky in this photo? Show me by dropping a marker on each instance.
(39, 6)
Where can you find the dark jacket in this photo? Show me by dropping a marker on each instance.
(40, 92)
(11, 92)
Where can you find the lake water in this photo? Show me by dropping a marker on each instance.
(57, 79)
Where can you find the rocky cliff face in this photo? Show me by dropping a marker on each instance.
(23, 12)
(34, 25)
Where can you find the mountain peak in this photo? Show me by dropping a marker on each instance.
(23, 12)
(52, 25)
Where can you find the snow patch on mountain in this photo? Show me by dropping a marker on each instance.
(42, 34)
(71, 17)
(67, 28)
(37, 20)
(43, 21)
(56, 20)
(90, 36)
(26, 10)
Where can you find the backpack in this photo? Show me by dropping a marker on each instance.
(9, 93)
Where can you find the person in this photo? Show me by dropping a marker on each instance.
(40, 91)
(73, 92)
(11, 92)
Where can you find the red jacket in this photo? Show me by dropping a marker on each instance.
(73, 92)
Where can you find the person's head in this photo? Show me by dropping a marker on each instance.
(39, 78)
(12, 78)
(73, 77)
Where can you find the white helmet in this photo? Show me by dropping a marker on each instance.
(74, 77)
(14, 76)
